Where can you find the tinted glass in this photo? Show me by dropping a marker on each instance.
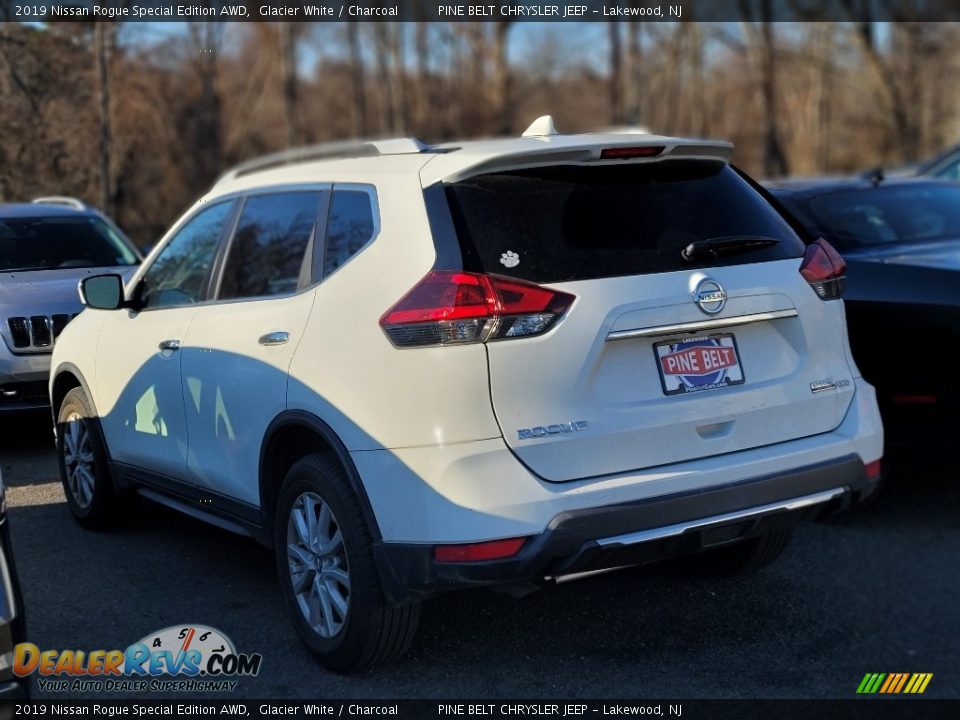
(178, 273)
(49, 243)
(268, 247)
(892, 214)
(950, 172)
(349, 227)
(577, 223)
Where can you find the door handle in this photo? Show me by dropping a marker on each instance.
(169, 345)
(274, 338)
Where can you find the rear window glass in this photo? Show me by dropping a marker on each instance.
(578, 223)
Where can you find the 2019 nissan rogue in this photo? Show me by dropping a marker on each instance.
(411, 368)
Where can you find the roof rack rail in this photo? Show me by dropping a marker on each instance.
(63, 200)
(328, 151)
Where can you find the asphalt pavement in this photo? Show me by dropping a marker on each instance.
(872, 591)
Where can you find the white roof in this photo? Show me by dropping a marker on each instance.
(365, 161)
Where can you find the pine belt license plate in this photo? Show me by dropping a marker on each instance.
(700, 363)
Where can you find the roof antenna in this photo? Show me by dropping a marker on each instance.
(541, 127)
(875, 176)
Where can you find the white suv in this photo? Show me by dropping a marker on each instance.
(495, 363)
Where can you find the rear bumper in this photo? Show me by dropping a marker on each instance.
(475, 491)
(639, 532)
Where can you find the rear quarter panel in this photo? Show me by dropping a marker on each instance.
(345, 370)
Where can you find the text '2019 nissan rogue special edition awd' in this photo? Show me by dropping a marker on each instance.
(413, 368)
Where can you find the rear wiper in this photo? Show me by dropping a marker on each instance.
(726, 245)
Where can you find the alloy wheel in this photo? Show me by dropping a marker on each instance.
(78, 459)
(317, 561)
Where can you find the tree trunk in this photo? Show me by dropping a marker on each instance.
(501, 79)
(774, 160)
(698, 100)
(388, 100)
(103, 102)
(616, 73)
(631, 72)
(422, 124)
(357, 76)
(207, 138)
(288, 58)
(398, 76)
(826, 50)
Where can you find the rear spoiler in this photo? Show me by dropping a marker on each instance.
(592, 152)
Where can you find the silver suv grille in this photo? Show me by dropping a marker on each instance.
(37, 332)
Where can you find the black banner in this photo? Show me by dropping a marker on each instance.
(854, 709)
(479, 11)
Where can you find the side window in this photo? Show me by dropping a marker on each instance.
(178, 273)
(349, 227)
(951, 171)
(270, 245)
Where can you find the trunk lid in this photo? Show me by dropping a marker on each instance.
(660, 359)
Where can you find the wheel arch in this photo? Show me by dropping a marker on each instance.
(290, 436)
(66, 377)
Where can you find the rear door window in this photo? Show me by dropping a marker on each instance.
(350, 226)
(563, 223)
(268, 253)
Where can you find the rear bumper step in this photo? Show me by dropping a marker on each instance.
(584, 541)
(748, 514)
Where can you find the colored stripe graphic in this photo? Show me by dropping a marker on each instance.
(894, 683)
(903, 679)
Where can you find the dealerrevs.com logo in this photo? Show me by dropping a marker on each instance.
(185, 658)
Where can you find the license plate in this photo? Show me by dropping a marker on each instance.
(700, 363)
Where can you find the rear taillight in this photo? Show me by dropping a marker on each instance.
(824, 269)
(451, 307)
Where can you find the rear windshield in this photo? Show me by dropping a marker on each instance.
(577, 223)
(48, 243)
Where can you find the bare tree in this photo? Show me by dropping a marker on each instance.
(101, 31)
(761, 43)
(502, 78)
(288, 62)
(632, 73)
(616, 72)
(357, 78)
(207, 142)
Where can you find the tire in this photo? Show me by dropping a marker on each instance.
(743, 557)
(336, 602)
(82, 459)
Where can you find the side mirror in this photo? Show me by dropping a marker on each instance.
(102, 292)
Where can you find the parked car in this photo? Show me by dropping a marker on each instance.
(12, 620)
(46, 247)
(414, 368)
(945, 165)
(900, 239)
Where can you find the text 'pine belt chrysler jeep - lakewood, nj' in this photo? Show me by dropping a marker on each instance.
(413, 368)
